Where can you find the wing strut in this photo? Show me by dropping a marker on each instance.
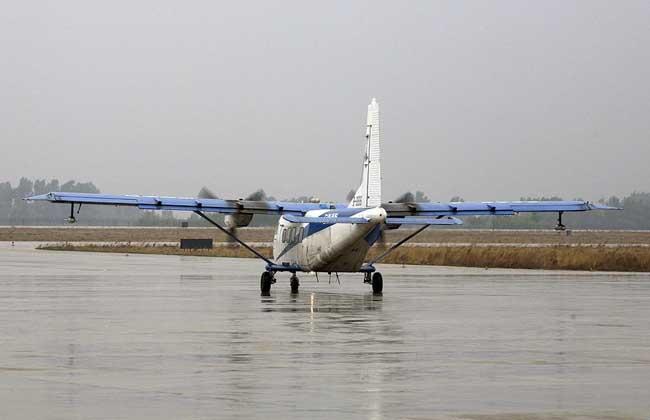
(395, 246)
(242, 243)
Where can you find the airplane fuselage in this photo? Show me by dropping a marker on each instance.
(334, 247)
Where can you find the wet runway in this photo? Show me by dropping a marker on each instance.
(109, 336)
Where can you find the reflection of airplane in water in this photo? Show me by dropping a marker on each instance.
(323, 302)
(359, 317)
(329, 237)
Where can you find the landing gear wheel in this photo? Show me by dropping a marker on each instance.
(294, 284)
(377, 283)
(265, 283)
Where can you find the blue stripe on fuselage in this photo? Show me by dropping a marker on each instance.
(312, 228)
(347, 212)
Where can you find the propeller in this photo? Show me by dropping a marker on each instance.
(258, 195)
(205, 192)
(233, 221)
(407, 197)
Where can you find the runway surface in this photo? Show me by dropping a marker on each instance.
(110, 336)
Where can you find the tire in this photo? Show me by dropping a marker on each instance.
(377, 283)
(265, 283)
(295, 284)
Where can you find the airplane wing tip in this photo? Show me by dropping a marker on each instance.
(40, 197)
(593, 206)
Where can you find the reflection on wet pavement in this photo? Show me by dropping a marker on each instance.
(109, 336)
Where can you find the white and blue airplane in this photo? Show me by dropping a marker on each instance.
(328, 237)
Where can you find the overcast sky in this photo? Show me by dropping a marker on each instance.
(486, 100)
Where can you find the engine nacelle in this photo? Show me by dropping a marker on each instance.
(237, 220)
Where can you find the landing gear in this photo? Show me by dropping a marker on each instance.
(265, 283)
(377, 283)
(367, 278)
(295, 284)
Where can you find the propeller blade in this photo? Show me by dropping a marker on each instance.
(407, 197)
(205, 192)
(258, 195)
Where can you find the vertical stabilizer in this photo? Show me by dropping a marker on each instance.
(369, 192)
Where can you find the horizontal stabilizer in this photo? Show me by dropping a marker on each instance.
(448, 220)
(325, 220)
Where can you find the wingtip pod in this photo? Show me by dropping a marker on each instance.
(593, 206)
(40, 197)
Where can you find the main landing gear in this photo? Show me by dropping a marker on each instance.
(268, 279)
(377, 283)
(294, 283)
(265, 283)
(375, 280)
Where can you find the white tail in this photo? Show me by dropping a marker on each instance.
(369, 192)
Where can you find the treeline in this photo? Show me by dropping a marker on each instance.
(15, 211)
(635, 215)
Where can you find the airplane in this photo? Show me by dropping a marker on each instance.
(328, 237)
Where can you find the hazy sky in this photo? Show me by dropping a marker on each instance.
(486, 100)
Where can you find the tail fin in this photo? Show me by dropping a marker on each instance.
(369, 192)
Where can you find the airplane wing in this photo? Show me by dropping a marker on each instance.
(488, 208)
(393, 210)
(186, 204)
